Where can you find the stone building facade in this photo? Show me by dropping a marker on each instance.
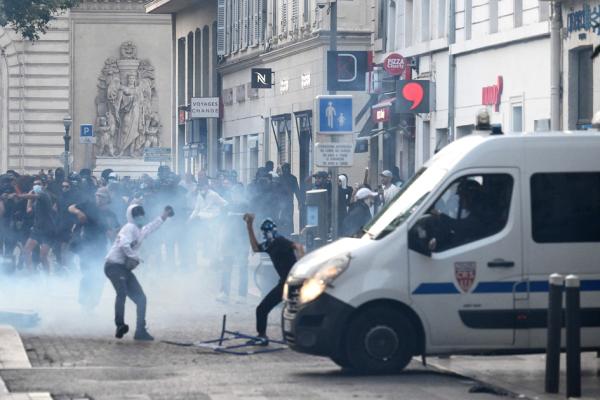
(62, 75)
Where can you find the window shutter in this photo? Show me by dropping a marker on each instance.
(228, 27)
(295, 15)
(244, 23)
(284, 16)
(236, 25)
(251, 24)
(221, 28)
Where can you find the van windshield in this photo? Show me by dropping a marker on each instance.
(405, 202)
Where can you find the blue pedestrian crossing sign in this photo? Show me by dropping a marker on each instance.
(86, 133)
(334, 114)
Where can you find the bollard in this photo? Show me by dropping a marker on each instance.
(554, 327)
(573, 323)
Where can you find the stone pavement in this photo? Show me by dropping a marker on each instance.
(522, 374)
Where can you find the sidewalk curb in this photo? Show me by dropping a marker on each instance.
(485, 379)
(14, 356)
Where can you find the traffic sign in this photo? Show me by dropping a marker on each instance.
(204, 107)
(414, 96)
(334, 154)
(86, 134)
(334, 114)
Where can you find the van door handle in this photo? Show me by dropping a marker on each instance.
(501, 264)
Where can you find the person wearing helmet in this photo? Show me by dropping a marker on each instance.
(284, 253)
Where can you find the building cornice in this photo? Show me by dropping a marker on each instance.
(110, 5)
(171, 6)
(259, 57)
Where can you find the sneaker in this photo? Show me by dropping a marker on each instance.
(121, 331)
(143, 335)
(260, 340)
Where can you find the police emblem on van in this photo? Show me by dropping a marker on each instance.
(465, 274)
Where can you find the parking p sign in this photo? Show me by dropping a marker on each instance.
(86, 134)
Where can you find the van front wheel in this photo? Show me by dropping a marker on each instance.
(380, 340)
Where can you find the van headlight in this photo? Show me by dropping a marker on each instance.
(315, 285)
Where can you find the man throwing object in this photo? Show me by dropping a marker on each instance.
(284, 254)
(122, 258)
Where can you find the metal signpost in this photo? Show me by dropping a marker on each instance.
(334, 117)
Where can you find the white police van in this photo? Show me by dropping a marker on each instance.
(458, 262)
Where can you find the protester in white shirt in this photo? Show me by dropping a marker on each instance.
(389, 189)
(122, 258)
(208, 203)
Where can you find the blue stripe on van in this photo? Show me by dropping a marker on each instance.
(436, 288)
(590, 285)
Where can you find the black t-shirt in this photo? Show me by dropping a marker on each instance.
(97, 223)
(281, 251)
(43, 221)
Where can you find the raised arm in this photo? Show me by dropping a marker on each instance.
(249, 218)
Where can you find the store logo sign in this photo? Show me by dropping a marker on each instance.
(261, 78)
(414, 96)
(491, 95)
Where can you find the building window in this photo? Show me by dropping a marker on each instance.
(190, 65)
(518, 13)
(464, 130)
(205, 61)
(585, 77)
(198, 63)
(544, 10)
(306, 13)
(468, 18)
(282, 126)
(181, 71)
(381, 19)
(517, 118)
(493, 5)
(274, 24)
(441, 139)
(408, 23)
(565, 207)
(441, 28)
(425, 28)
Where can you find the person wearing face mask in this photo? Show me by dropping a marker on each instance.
(39, 203)
(359, 213)
(96, 225)
(122, 258)
(284, 254)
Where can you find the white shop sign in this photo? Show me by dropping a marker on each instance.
(204, 107)
(334, 154)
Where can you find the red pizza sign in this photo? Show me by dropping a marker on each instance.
(394, 64)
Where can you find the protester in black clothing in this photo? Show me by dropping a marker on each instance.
(65, 222)
(344, 199)
(42, 233)
(97, 225)
(359, 213)
(284, 254)
(288, 185)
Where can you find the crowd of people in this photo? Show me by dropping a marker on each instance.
(48, 218)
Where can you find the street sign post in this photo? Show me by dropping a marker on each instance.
(204, 107)
(334, 114)
(337, 154)
(86, 134)
(157, 154)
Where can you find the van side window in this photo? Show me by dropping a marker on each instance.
(471, 208)
(565, 207)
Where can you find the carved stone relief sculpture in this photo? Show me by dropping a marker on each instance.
(127, 118)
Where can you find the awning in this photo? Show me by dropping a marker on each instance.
(385, 103)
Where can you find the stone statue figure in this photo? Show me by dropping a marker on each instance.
(127, 110)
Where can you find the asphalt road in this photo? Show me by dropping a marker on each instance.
(75, 356)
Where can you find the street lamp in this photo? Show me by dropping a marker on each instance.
(67, 121)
